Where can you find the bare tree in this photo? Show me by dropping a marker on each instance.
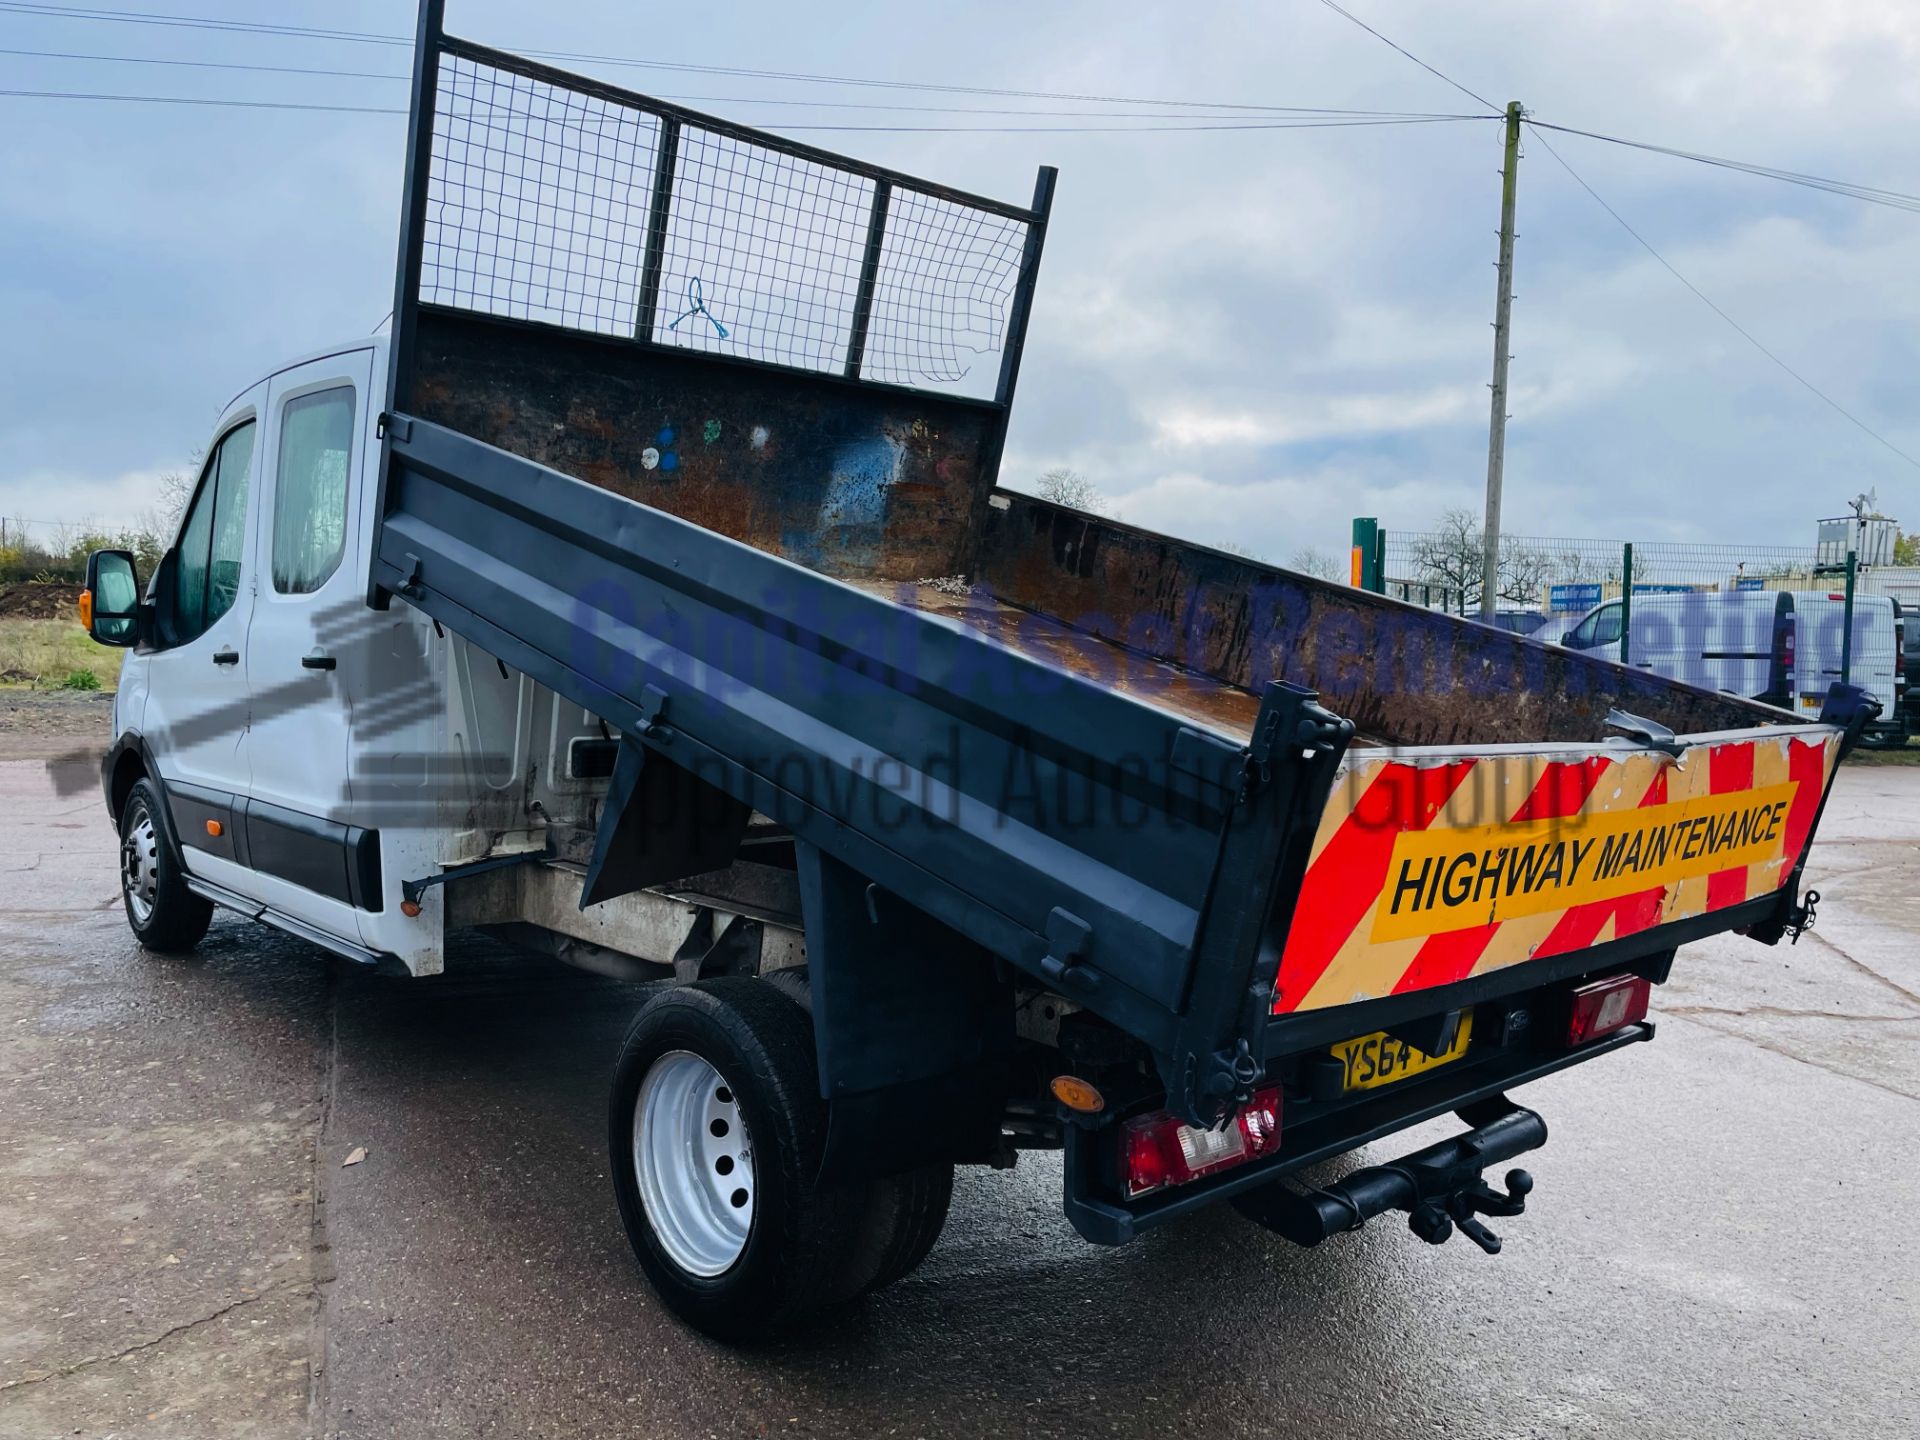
(1525, 573)
(1312, 560)
(1068, 487)
(1234, 547)
(1451, 559)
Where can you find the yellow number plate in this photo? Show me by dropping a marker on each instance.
(1378, 1059)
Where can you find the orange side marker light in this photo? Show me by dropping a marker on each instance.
(86, 610)
(1077, 1094)
(215, 828)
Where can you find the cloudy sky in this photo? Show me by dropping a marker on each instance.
(1246, 337)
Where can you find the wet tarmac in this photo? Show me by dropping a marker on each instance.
(1719, 1244)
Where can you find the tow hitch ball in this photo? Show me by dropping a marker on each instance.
(1434, 1220)
(1441, 1188)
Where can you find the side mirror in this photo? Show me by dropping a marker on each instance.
(110, 605)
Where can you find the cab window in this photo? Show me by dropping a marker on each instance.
(310, 491)
(206, 577)
(1602, 627)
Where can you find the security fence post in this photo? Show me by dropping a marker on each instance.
(1626, 600)
(1364, 568)
(1846, 635)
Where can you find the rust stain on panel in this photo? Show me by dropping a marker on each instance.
(851, 481)
(1403, 675)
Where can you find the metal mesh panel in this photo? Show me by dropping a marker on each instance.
(944, 288)
(538, 203)
(763, 253)
(536, 200)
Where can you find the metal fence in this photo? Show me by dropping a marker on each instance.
(1584, 592)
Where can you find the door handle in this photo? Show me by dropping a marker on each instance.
(226, 657)
(317, 661)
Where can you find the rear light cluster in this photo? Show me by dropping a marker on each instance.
(1783, 646)
(1606, 1006)
(1160, 1151)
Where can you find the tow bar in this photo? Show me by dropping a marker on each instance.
(1440, 1187)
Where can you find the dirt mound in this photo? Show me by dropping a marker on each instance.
(39, 600)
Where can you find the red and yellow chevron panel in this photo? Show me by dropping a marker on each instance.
(1431, 867)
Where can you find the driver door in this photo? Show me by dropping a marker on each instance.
(194, 719)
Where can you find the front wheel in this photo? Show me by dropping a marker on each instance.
(716, 1130)
(162, 912)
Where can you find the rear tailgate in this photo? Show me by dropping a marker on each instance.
(1434, 865)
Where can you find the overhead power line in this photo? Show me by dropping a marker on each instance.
(49, 9)
(365, 37)
(1872, 194)
(1471, 95)
(201, 100)
(1155, 129)
(1707, 300)
(396, 77)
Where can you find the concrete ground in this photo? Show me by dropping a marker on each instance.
(1720, 1242)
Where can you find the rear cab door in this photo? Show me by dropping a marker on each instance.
(310, 623)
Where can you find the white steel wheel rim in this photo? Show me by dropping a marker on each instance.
(693, 1162)
(140, 866)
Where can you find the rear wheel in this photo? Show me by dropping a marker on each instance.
(716, 1131)
(162, 912)
(904, 1221)
(905, 1213)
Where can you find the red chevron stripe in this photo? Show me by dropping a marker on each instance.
(1562, 789)
(1345, 878)
(1806, 763)
(1729, 767)
(1578, 928)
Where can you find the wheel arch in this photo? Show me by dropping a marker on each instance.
(128, 763)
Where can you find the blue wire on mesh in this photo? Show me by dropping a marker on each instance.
(697, 305)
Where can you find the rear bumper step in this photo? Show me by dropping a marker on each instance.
(1476, 1091)
(1441, 1187)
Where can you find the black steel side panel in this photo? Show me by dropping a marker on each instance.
(1009, 800)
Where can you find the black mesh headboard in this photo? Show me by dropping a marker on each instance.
(540, 196)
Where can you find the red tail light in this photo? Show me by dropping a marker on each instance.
(1606, 1006)
(1783, 645)
(1900, 648)
(1160, 1151)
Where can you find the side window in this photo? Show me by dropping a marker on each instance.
(213, 539)
(229, 522)
(310, 493)
(1606, 626)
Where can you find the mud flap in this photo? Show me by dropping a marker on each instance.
(661, 823)
(913, 1023)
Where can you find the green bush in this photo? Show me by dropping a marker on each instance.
(80, 680)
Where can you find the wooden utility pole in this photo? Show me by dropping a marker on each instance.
(1497, 428)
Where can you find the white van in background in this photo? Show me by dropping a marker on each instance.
(1742, 641)
(1783, 647)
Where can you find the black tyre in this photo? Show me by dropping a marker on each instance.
(716, 1130)
(164, 914)
(918, 1202)
(904, 1214)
